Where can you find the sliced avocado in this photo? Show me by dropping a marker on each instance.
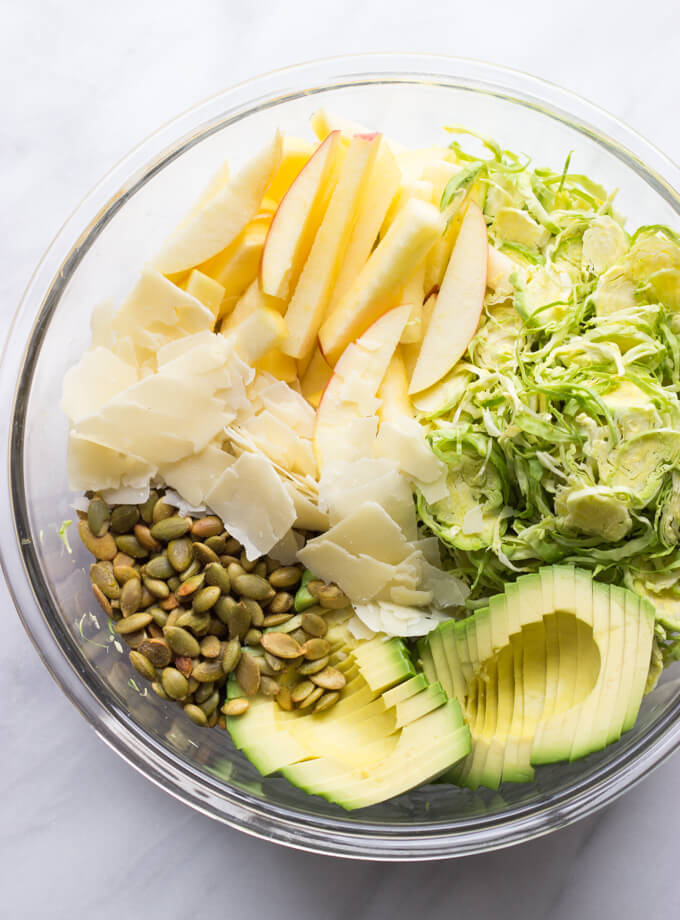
(419, 705)
(569, 679)
(441, 664)
(426, 660)
(406, 690)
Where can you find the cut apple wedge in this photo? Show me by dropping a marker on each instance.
(219, 180)
(294, 157)
(408, 190)
(281, 366)
(377, 286)
(382, 186)
(459, 305)
(393, 392)
(310, 298)
(254, 299)
(413, 295)
(351, 392)
(260, 332)
(205, 289)
(236, 267)
(410, 350)
(323, 122)
(224, 216)
(314, 379)
(296, 220)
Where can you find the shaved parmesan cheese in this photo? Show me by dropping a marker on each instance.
(281, 443)
(291, 407)
(360, 577)
(93, 381)
(286, 550)
(93, 466)
(308, 515)
(253, 503)
(358, 438)
(434, 491)
(194, 476)
(447, 591)
(371, 531)
(126, 495)
(397, 619)
(405, 445)
(410, 597)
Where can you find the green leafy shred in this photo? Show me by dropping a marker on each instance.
(63, 535)
(563, 444)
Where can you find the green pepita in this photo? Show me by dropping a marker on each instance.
(223, 606)
(329, 679)
(301, 691)
(254, 587)
(181, 641)
(98, 517)
(210, 647)
(171, 528)
(208, 526)
(234, 569)
(196, 714)
(204, 554)
(123, 573)
(326, 700)
(146, 509)
(162, 510)
(205, 599)
(313, 667)
(101, 574)
(283, 698)
(276, 619)
(159, 567)
(282, 602)
(314, 625)
(133, 623)
(207, 671)
(131, 597)
(124, 518)
(142, 665)
(203, 691)
(329, 596)
(160, 617)
(157, 651)
(285, 577)
(238, 621)
(248, 675)
(281, 645)
(143, 534)
(156, 587)
(198, 623)
(102, 547)
(129, 544)
(191, 585)
(217, 544)
(236, 707)
(315, 648)
(210, 704)
(174, 683)
(216, 575)
(311, 698)
(103, 600)
(252, 637)
(268, 686)
(231, 655)
(158, 688)
(180, 554)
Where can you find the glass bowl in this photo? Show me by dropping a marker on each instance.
(97, 255)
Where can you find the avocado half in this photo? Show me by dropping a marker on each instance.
(391, 730)
(552, 669)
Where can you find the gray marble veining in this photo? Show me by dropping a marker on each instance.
(81, 834)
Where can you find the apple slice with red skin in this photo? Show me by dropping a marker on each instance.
(350, 393)
(459, 303)
(296, 219)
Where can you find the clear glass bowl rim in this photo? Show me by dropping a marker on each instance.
(367, 840)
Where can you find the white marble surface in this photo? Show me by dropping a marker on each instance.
(81, 834)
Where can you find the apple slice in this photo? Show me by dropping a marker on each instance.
(253, 300)
(224, 216)
(310, 298)
(236, 267)
(314, 379)
(296, 220)
(351, 392)
(410, 350)
(323, 122)
(215, 185)
(393, 391)
(382, 187)
(263, 330)
(459, 305)
(294, 157)
(376, 288)
(281, 366)
(205, 289)
(413, 294)
(408, 190)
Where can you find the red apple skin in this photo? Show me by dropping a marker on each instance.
(332, 138)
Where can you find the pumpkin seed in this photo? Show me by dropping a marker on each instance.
(133, 623)
(204, 554)
(255, 611)
(282, 602)
(210, 705)
(180, 554)
(285, 577)
(252, 637)
(207, 670)
(205, 599)
(210, 647)
(314, 625)
(193, 685)
(142, 665)
(326, 700)
(248, 675)
(98, 517)
(134, 639)
(170, 603)
(203, 691)
(130, 597)
(122, 559)
(268, 686)
(301, 691)
(103, 600)
(157, 651)
(102, 547)
(101, 574)
(181, 641)
(158, 688)
(146, 508)
(154, 630)
(283, 698)
(191, 585)
(156, 587)
(185, 666)
(236, 707)
(233, 546)
(196, 714)
(231, 655)
(276, 619)
(170, 528)
(254, 587)
(329, 679)
(129, 544)
(216, 574)
(313, 667)
(198, 623)
(311, 698)
(209, 526)
(124, 518)
(315, 648)
(159, 567)
(223, 606)
(281, 645)
(238, 621)
(143, 534)
(217, 544)
(123, 573)
(174, 583)
(329, 596)
(274, 663)
(161, 511)
(221, 721)
(234, 569)
(147, 598)
(247, 564)
(217, 628)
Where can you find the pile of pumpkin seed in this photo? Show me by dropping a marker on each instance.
(194, 610)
